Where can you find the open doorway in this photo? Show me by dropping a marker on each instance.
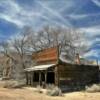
(50, 77)
(42, 76)
(36, 77)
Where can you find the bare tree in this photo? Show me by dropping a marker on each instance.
(7, 61)
(16, 50)
(70, 41)
(20, 44)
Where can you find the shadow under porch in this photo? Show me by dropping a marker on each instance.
(41, 78)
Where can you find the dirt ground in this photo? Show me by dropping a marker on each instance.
(30, 94)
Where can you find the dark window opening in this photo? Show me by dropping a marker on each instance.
(36, 77)
(42, 76)
(50, 77)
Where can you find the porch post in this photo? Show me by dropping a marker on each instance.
(56, 76)
(45, 77)
(32, 78)
(40, 78)
(26, 73)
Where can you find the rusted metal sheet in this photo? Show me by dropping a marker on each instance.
(48, 55)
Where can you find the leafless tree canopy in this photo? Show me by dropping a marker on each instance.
(28, 41)
(70, 41)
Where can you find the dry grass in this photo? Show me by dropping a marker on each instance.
(93, 88)
(39, 89)
(12, 84)
(54, 91)
(28, 93)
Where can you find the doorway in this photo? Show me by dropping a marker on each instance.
(50, 78)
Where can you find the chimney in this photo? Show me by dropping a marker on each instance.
(77, 59)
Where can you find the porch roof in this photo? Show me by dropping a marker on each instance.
(39, 67)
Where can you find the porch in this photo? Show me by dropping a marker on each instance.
(40, 75)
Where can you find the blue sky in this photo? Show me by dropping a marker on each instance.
(82, 14)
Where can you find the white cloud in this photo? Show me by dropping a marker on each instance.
(55, 13)
(91, 53)
(20, 16)
(17, 14)
(97, 2)
(91, 33)
(9, 5)
(11, 9)
(76, 16)
(93, 30)
(81, 16)
(11, 19)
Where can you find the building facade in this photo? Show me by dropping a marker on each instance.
(50, 69)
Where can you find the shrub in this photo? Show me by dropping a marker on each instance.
(50, 86)
(93, 88)
(54, 91)
(39, 89)
(13, 84)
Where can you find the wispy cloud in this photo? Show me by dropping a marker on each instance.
(91, 53)
(11, 9)
(55, 14)
(81, 16)
(20, 16)
(93, 30)
(10, 19)
(96, 2)
(66, 13)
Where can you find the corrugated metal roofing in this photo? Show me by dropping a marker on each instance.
(39, 67)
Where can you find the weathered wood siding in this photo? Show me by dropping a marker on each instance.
(77, 74)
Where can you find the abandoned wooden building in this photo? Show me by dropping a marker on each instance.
(50, 69)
